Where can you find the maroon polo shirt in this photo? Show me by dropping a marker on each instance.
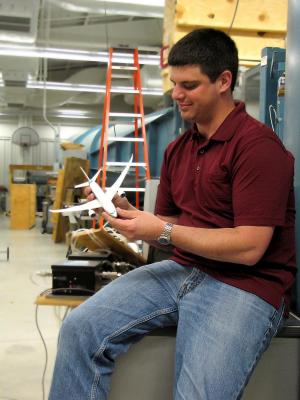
(241, 176)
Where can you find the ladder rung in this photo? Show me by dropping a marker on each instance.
(124, 68)
(124, 90)
(124, 139)
(121, 76)
(125, 189)
(123, 164)
(124, 115)
(123, 122)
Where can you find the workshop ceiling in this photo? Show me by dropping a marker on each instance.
(29, 28)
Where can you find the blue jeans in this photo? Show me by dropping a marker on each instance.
(221, 333)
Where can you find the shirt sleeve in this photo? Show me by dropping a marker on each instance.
(165, 205)
(262, 180)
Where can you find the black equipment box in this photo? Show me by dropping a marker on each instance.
(74, 277)
(89, 256)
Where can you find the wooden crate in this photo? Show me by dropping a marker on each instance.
(257, 24)
(23, 206)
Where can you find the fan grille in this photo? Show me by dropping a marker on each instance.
(25, 136)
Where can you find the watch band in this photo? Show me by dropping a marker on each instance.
(165, 237)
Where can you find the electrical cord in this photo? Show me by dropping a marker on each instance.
(272, 108)
(45, 292)
(57, 313)
(46, 273)
(46, 350)
(234, 15)
(45, 346)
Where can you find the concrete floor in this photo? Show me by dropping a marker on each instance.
(22, 355)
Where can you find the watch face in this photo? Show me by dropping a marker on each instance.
(163, 240)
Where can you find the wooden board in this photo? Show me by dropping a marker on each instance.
(58, 196)
(71, 176)
(255, 15)
(64, 301)
(23, 206)
(95, 239)
(71, 146)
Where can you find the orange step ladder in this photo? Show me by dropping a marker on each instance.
(136, 118)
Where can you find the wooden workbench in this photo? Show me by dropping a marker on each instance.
(57, 300)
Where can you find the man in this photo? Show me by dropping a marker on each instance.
(225, 202)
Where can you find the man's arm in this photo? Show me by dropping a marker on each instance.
(241, 245)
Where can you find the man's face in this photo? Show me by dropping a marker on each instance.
(194, 93)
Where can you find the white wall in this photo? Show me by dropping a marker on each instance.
(43, 154)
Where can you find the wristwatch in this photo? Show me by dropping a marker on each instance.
(165, 237)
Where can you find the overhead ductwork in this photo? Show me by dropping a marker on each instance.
(88, 30)
(19, 20)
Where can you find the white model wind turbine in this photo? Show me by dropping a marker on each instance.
(103, 199)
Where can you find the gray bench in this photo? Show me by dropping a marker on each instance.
(146, 371)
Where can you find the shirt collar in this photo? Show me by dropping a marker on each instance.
(228, 127)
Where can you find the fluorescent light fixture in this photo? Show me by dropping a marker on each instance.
(16, 38)
(152, 3)
(76, 55)
(73, 116)
(71, 113)
(144, 8)
(79, 87)
(56, 113)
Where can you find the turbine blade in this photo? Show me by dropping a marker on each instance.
(84, 173)
(84, 184)
(96, 175)
(114, 188)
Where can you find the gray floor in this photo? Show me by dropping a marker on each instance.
(22, 355)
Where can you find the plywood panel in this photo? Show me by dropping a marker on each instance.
(23, 206)
(71, 176)
(254, 15)
(257, 24)
(249, 45)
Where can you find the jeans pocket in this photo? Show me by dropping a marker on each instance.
(277, 319)
(192, 281)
